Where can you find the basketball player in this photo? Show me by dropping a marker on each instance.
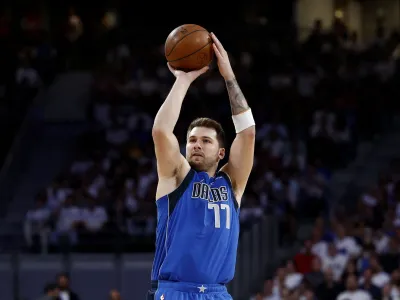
(198, 207)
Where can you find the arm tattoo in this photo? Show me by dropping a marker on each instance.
(236, 97)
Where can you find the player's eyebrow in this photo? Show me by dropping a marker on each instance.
(202, 137)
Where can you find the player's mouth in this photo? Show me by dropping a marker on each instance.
(197, 155)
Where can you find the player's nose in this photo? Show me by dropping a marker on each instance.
(197, 145)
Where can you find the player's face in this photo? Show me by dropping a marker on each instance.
(351, 283)
(202, 149)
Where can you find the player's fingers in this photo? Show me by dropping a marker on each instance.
(217, 42)
(203, 70)
(170, 68)
(217, 52)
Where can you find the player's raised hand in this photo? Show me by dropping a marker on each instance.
(190, 76)
(223, 62)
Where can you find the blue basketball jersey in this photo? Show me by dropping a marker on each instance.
(197, 231)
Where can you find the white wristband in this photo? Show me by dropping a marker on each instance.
(243, 120)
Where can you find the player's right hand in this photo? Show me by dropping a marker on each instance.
(190, 76)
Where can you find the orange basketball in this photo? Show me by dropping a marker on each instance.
(189, 47)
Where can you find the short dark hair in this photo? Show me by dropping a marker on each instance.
(50, 287)
(62, 274)
(209, 123)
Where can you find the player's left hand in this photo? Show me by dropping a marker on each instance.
(223, 62)
(189, 76)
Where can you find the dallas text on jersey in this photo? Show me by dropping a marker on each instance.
(204, 191)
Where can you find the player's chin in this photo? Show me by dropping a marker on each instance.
(197, 164)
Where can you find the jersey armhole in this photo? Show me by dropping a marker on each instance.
(175, 195)
(228, 179)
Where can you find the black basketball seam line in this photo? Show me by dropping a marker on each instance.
(183, 38)
(191, 53)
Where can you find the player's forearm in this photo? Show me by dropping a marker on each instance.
(236, 98)
(169, 111)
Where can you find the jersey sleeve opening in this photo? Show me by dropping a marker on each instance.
(178, 192)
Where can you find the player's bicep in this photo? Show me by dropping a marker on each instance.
(241, 158)
(169, 158)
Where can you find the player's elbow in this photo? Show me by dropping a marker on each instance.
(158, 132)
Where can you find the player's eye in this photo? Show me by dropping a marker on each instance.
(206, 141)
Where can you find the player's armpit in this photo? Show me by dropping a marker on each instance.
(241, 158)
(169, 158)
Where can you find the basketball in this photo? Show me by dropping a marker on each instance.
(189, 47)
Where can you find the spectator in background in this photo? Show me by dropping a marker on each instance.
(27, 76)
(68, 216)
(394, 286)
(346, 244)
(313, 184)
(319, 246)
(37, 224)
(322, 137)
(368, 286)
(27, 83)
(267, 293)
(57, 192)
(250, 210)
(329, 289)
(391, 255)
(315, 277)
(387, 293)
(93, 219)
(295, 155)
(305, 259)
(65, 291)
(51, 292)
(279, 280)
(120, 215)
(352, 291)
(350, 269)
(381, 242)
(375, 274)
(114, 295)
(293, 278)
(335, 261)
(45, 58)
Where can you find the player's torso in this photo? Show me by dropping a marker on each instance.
(198, 231)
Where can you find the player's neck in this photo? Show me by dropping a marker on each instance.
(211, 172)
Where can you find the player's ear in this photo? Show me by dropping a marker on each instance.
(221, 153)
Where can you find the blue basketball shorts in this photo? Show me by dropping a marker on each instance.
(168, 290)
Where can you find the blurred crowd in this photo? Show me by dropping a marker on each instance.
(31, 56)
(61, 289)
(353, 256)
(22, 67)
(313, 102)
(353, 253)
